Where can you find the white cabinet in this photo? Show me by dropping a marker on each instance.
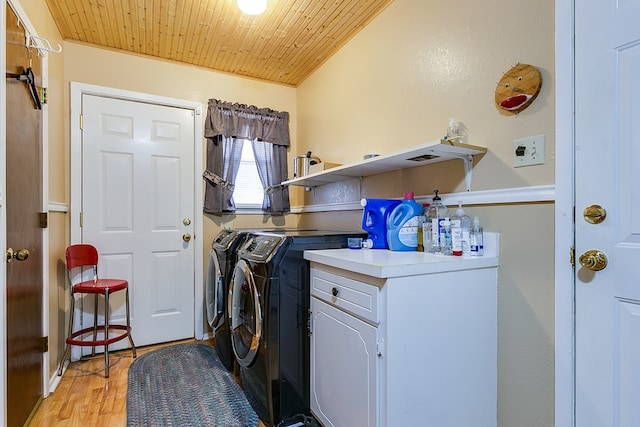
(344, 350)
(403, 338)
(347, 362)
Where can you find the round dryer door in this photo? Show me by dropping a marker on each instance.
(245, 314)
(213, 291)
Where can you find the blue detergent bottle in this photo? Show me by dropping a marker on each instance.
(374, 220)
(402, 225)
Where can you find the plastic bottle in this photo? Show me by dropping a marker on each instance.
(476, 238)
(374, 220)
(445, 237)
(422, 225)
(453, 131)
(460, 228)
(402, 225)
(456, 237)
(435, 216)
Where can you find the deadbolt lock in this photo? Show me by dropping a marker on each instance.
(594, 214)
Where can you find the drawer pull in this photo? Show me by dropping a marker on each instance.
(334, 292)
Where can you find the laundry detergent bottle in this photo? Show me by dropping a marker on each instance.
(402, 225)
(374, 220)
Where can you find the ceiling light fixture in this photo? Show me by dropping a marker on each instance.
(252, 7)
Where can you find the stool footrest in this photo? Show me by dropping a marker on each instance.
(100, 329)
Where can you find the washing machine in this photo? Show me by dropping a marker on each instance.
(222, 259)
(268, 313)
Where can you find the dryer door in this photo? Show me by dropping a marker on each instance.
(246, 315)
(214, 291)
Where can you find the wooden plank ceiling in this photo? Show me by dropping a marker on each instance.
(284, 45)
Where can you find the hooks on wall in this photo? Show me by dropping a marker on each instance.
(42, 44)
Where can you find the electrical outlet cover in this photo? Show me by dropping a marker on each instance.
(533, 151)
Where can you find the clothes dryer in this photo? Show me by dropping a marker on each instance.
(269, 309)
(222, 259)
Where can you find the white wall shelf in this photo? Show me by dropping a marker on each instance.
(427, 153)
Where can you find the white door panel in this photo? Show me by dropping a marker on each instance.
(138, 187)
(607, 141)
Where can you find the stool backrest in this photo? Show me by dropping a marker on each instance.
(82, 255)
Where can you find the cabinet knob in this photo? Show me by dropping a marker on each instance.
(334, 292)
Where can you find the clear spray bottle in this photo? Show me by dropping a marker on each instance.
(476, 238)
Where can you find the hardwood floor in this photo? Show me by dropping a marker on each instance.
(85, 398)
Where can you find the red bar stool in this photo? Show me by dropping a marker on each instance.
(84, 256)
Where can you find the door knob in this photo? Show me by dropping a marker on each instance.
(593, 260)
(20, 254)
(594, 214)
(186, 237)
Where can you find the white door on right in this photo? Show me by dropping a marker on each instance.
(607, 150)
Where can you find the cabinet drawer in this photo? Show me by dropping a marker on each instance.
(353, 296)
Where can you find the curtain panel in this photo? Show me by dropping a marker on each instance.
(246, 121)
(227, 125)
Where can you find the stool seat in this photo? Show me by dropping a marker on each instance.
(83, 256)
(100, 286)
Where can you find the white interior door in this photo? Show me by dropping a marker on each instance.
(607, 140)
(137, 208)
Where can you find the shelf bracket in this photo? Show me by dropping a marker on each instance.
(467, 159)
(468, 170)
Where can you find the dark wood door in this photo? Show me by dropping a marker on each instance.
(23, 202)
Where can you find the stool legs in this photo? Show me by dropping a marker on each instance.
(67, 347)
(70, 334)
(106, 333)
(95, 319)
(133, 346)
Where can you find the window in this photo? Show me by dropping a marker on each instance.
(248, 192)
(266, 130)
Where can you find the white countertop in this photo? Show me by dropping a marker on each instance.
(384, 263)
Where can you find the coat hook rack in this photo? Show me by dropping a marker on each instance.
(41, 44)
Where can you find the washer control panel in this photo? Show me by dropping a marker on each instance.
(260, 247)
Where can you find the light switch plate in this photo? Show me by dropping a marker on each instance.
(226, 225)
(533, 153)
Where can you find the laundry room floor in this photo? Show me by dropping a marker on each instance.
(85, 398)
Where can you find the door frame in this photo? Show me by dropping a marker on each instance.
(564, 214)
(77, 91)
(44, 207)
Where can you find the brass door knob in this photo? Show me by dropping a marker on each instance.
(20, 254)
(186, 237)
(593, 260)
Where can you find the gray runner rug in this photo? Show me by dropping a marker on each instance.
(185, 385)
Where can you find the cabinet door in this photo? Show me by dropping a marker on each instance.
(344, 381)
